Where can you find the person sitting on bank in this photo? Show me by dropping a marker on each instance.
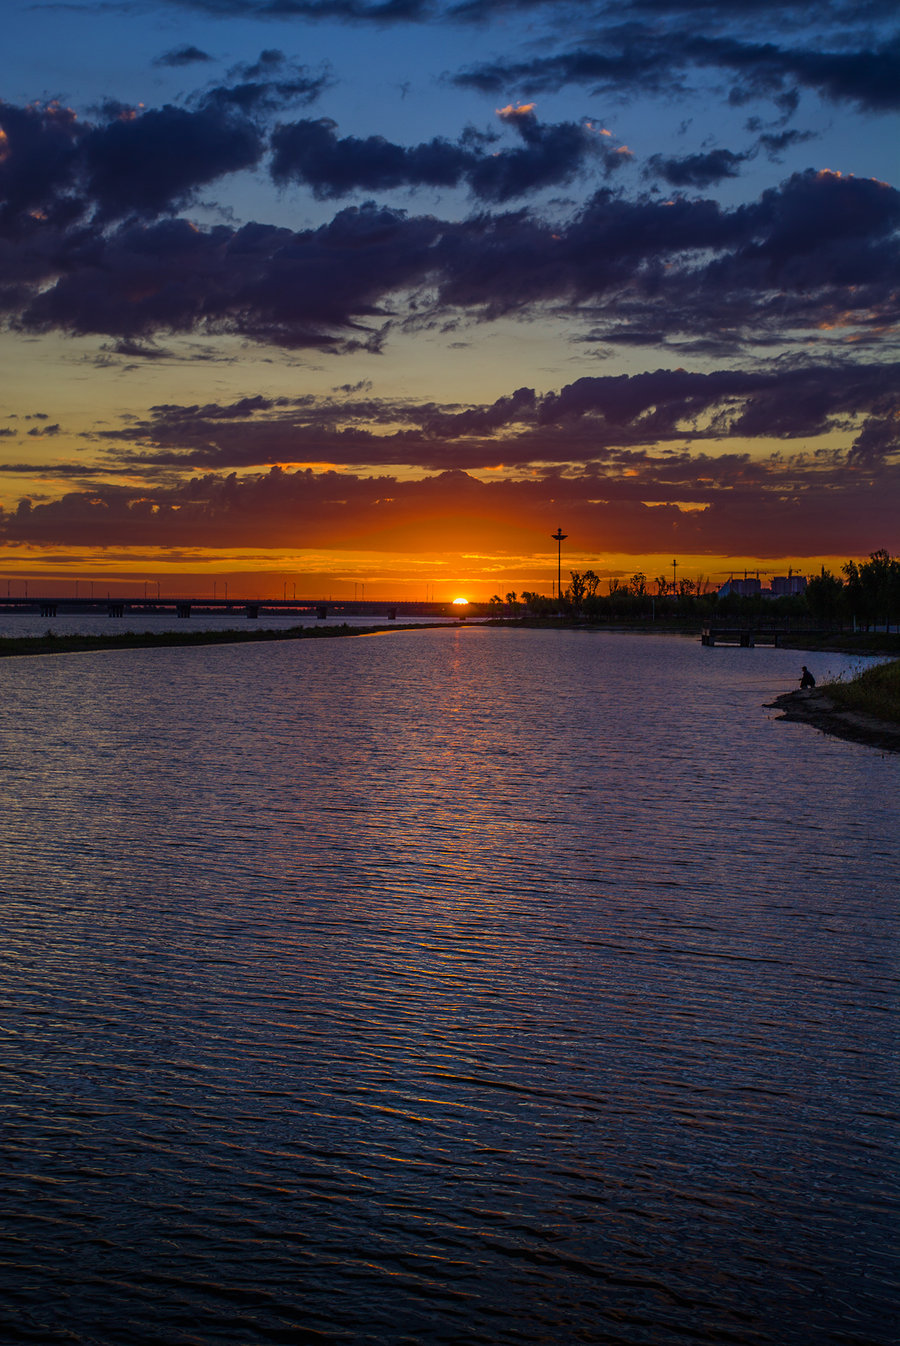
(807, 679)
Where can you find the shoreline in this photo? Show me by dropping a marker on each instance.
(17, 646)
(816, 708)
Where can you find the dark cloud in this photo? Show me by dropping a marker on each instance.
(593, 420)
(83, 472)
(878, 440)
(695, 170)
(138, 350)
(151, 162)
(269, 84)
(820, 251)
(182, 56)
(129, 161)
(868, 78)
(260, 281)
(552, 154)
(40, 148)
(383, 12)
(348, 11)
(775, 143)
(629, 60)
(635, 58)
(312, 153)
(606, 509)
(56, 170)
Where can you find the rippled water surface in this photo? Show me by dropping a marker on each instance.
(448, 986)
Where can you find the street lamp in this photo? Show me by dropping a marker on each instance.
(559, 538)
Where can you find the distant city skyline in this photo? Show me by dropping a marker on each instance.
(338, 292)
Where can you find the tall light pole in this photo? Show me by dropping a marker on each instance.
(674, 572)
(559, 538)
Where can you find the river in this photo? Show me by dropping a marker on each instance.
(448, 986)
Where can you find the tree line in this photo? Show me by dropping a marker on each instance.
(866, 594)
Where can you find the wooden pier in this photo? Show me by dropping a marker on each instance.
(741, 637)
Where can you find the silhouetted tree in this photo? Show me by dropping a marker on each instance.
(873, 588)
(824, 597)
(576, 590)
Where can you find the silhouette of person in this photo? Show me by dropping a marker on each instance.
(807, 680)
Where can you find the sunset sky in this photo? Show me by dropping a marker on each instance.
(336, 291)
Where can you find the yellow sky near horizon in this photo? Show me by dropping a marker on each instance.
(385, 575)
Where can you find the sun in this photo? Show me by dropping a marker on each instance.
(460, 602)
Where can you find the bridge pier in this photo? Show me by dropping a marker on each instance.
(48, 609)
(321, 612)
(182, 609)
(115, 609)
(252, 610)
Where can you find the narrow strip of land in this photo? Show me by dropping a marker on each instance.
(131, 640)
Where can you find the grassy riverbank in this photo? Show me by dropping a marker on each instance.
(131, 640)
(844, 642)
(875, 692)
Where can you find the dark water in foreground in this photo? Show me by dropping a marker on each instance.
(454, 986)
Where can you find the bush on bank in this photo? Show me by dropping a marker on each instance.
(874, 692)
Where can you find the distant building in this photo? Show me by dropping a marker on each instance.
(782, 586)
(745, 588)
(785, 586)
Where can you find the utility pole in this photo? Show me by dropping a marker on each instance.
(674, 572)
(559, 538)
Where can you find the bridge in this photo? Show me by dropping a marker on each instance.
(320, 608)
